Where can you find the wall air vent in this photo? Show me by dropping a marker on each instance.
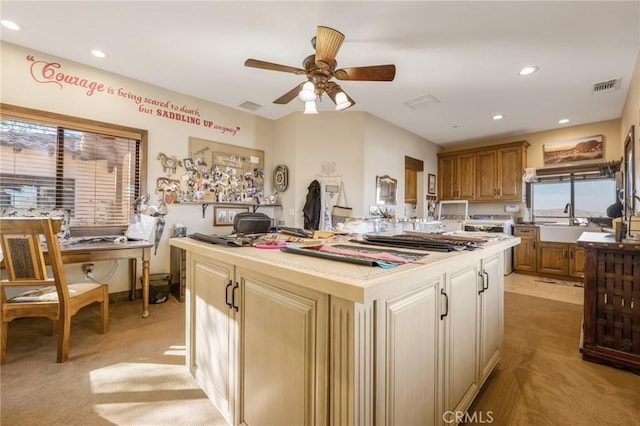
(606, 86)
(250, 106)
(422, 102)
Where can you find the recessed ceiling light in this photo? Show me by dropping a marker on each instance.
(498, 117)
(563, 121)
(10, 25)
(528, 70)
(98, 53)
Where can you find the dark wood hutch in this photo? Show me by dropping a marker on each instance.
(611, 330)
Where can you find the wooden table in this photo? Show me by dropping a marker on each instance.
(99, 251)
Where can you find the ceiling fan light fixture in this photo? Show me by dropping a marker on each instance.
(310, 107)
(308, 92)
(320, 69)
(341, 101)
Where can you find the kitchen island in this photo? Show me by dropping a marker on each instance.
(279, 338)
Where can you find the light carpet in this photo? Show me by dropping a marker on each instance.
(134, 375)
(542, 380)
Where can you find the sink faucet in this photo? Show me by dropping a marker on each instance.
(569, 209)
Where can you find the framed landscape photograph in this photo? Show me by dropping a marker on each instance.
(588, 148)
(431, 184)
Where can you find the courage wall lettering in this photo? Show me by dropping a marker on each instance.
(52, 73)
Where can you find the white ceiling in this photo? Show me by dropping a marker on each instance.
(465, 54)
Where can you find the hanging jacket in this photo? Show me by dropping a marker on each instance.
(312, 207)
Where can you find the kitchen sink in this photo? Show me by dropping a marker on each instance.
(564, 233)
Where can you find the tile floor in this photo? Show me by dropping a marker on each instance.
(532, 285)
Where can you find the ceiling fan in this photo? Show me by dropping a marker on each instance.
(320, 69)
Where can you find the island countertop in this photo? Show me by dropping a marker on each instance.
(351, 282)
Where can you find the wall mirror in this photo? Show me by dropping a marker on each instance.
(629, 175)
(386, 190)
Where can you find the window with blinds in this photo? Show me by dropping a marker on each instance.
(94, 174)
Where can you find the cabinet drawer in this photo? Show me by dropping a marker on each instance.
(525, 232)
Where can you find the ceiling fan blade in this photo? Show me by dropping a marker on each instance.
(290, 95)
(328, 42)
(370, 73)
(255, 63)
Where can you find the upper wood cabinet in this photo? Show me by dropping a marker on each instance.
(500, 174)
(410, 186)
(448, 179)
(457, 176)
(412, 167)
(484, 174)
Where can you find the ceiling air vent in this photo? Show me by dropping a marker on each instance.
(250, 106)
(606, 86)
(422, 102)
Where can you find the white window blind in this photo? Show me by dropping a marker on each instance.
(92, 174)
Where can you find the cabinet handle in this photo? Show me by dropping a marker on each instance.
(233, 297)
(535, 244)
(226, 294)
(446, 305)
(487, 275)
(483, 283)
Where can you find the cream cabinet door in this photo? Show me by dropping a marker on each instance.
(491, 313)
(461, 338)
(409, 327)
(282, 353)
(211, 331)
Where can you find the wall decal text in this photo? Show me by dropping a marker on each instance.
(52, 73)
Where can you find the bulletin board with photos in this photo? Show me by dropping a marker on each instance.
(223, 173)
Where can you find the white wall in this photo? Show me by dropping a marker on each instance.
(334, 137)
(361, 145)
(385, 148)
(168, 136)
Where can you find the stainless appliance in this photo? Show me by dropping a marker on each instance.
(494, 223)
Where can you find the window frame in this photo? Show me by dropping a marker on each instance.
(93, 126)
(575, 176)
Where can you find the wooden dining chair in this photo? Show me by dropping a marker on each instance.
(24, 261)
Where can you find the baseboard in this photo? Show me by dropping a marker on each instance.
(123, 296)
